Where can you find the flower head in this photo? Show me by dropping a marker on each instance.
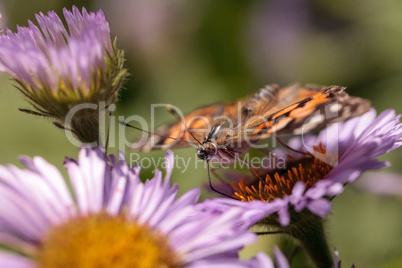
(301, 193)
(57, 68)
(112, 219)
(337, 157)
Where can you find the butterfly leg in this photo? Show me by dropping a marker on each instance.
(212, 187)
(221, 180)
(213, 170)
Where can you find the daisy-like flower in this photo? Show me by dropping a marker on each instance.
(301, 193)
(112, 219)
(57, 68)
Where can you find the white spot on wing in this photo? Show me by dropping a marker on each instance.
(316, 118)
(335, 107)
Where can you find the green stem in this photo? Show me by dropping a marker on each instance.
(308, 229)
(312, 237)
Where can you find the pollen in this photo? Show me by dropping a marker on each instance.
(278, 183)
(101, 241)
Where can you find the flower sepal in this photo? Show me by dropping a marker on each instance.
(308, 229)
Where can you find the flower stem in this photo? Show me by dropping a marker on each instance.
(311, 235)
(85, 124)
(308, 229)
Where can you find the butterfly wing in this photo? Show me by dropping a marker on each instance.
(199, 122)
(288, 110)
(313, 108)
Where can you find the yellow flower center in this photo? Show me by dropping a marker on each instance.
(279, 182)
(101, 241)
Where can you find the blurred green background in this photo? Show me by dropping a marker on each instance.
(193, 53)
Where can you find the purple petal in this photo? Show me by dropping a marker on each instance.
(217, 231)
(337, 263)
(50, 56)
(284, 217)
(320, 207)
(281, 260)
(13, 260)
(264, 261)
(297, 192)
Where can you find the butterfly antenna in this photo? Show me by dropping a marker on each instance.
(212, 188)
(247, 164)
(290, 148)
(175, 114)
(137, 128)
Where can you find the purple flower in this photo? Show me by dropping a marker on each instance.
(296, 199)
(57, 68)
(112, 219)
(342, 152)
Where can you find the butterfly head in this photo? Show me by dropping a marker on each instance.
(207, 150)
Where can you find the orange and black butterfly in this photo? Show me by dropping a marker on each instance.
(224, 131)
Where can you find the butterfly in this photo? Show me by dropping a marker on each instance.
(225, 131)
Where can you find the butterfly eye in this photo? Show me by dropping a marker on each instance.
(202, 154)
